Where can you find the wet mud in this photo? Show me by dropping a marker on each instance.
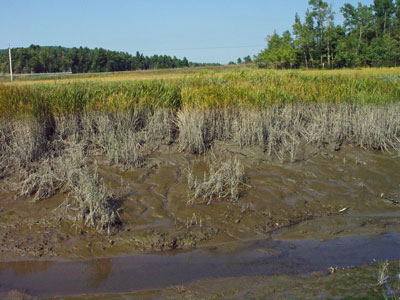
(325, 195)
(328, 194)
(156, 271)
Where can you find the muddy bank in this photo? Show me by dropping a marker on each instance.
(152, 271)
(328, 192)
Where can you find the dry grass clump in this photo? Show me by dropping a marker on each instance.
(90, 200)
(280, 129)
(51, 174)
(368, 126)
(275, 129)
(42, 181)
(67, 172)
(193, 131)
(125, 138)
(223, 181)
(199, 128)
(377, 127)
(71, 130)
(4, 141)
(160, 128)
(24, 142)
(116, 137)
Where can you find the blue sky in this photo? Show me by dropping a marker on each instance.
(201, 30)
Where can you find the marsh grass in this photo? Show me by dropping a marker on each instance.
(50, 164)
(223, 180)
(51, 174)
(207, 90)
(90, 201)
(194, 135)
(125, 139)
(161, 129)
(117, 138)
(280, 129)
(24, 142)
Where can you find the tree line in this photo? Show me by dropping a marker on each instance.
(369, 36)
(36, 59)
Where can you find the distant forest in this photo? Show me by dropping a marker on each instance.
(369, 36)
(48, 59)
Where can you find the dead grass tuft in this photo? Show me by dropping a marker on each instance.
(160, 129)
(90, 201)
(223, 181)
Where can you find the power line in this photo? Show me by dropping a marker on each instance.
(206, 48)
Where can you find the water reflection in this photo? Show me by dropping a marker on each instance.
(26, 268)
(147, 272)
(99, 270)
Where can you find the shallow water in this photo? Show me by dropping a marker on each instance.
(155, 271)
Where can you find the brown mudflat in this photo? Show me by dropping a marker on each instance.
(285, 210)
(328, 194)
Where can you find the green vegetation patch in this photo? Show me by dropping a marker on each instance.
(255, 88)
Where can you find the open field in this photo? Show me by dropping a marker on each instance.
(118, 164)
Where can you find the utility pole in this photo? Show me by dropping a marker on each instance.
(9, 55)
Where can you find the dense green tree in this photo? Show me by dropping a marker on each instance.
(280, 52)
(370, 36)
(304, 41)
(247, 59)
(359, 25)
(36, 59)
(322, 16)
(384, 9)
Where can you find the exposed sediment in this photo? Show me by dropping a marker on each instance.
(106, 184)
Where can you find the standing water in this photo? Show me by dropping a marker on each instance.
(156, 271)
